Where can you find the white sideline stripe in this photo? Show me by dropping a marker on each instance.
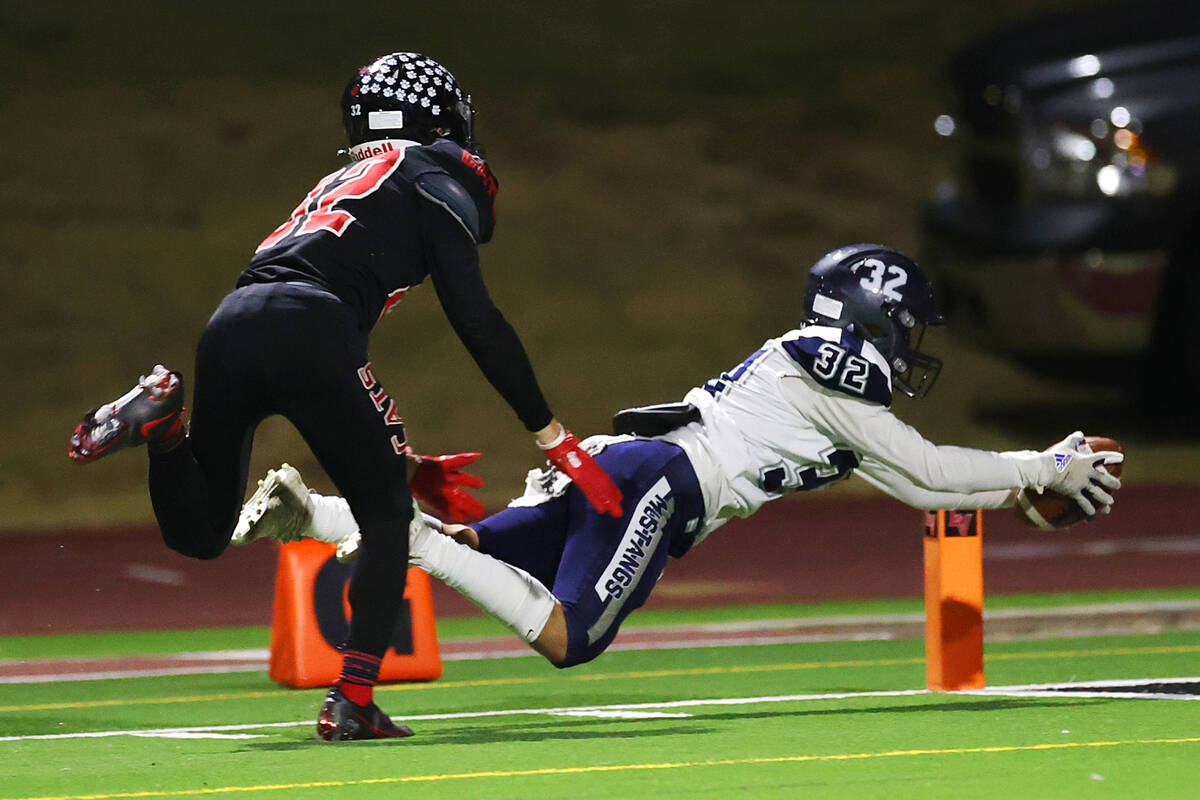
(262, 655)
(249, 654)
(1097, 548)
(1136, 606)
(1049, 689)
(745, 641)
(606, 712)
(684, 644)
(476, 655)
(198, 735)
(629, 710)
(132, 673)
(621, 714)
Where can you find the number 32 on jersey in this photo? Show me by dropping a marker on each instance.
(835, 364)
(320, 211)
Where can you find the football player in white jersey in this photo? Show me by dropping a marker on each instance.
(806, 409)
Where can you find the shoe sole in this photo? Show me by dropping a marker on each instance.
(258, 504)
(329, 730)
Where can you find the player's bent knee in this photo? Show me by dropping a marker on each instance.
(554, 652)
(574, 659)
(205, 551)
(551, 643)
(579, 646)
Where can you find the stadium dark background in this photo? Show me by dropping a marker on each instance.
(668, 171)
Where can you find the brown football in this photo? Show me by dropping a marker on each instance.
(1051, 510)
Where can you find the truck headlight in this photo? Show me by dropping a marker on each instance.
(1105, 157)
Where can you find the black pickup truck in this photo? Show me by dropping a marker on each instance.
(1068, 235)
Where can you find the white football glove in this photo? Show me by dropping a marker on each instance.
(1078, 473)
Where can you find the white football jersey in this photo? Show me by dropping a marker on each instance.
(809, 408)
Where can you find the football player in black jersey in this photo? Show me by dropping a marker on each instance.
(291, 339)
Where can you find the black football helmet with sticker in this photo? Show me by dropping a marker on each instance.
(882, 296)
(406, 96)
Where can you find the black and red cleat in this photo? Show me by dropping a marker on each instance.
(341, 720)
(149, 413)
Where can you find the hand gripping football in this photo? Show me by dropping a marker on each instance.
(1052, 510)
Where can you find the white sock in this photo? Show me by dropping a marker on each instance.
(508, 593)
(332, 520)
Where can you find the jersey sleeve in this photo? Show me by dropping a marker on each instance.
(887, 480)
(453, 261)
(877, 434)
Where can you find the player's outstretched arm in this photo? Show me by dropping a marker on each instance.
(907, 465)
(891, 482)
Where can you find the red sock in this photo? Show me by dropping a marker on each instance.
(356, 693)
(360, 672)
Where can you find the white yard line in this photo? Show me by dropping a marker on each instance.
(107, 675)
(683, 644)
(614, 711)
(259, 661)
(1076, 689)
(653, 710)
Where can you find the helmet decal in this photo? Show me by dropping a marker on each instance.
(377, 120)
(827, 306)
(881, 278)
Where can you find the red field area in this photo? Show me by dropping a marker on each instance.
(804, 548)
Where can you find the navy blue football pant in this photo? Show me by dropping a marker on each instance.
(296, 350)
(598, 567)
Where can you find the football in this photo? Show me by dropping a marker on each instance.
(1051, 510)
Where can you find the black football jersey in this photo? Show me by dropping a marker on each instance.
(381, 225)
(358, 232)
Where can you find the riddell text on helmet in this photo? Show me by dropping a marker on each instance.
(363, 151)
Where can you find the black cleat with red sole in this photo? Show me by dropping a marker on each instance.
(341, 720)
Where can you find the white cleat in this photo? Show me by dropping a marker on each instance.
(279, 509)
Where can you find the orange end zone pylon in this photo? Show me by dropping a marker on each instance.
(953, 600)
(311, 619)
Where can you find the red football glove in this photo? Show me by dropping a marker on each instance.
(566, 454)
(438, 483)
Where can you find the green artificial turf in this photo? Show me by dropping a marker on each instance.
(106, 644)
(754, 738)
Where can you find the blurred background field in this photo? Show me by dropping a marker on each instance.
(668, 172)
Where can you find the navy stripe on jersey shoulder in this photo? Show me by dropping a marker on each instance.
(440, 188)
(841, 366)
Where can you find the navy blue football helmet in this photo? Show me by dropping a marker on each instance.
(406, 96)
(882, 296)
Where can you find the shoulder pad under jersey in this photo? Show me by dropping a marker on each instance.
(843, 364)
(462, 183)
